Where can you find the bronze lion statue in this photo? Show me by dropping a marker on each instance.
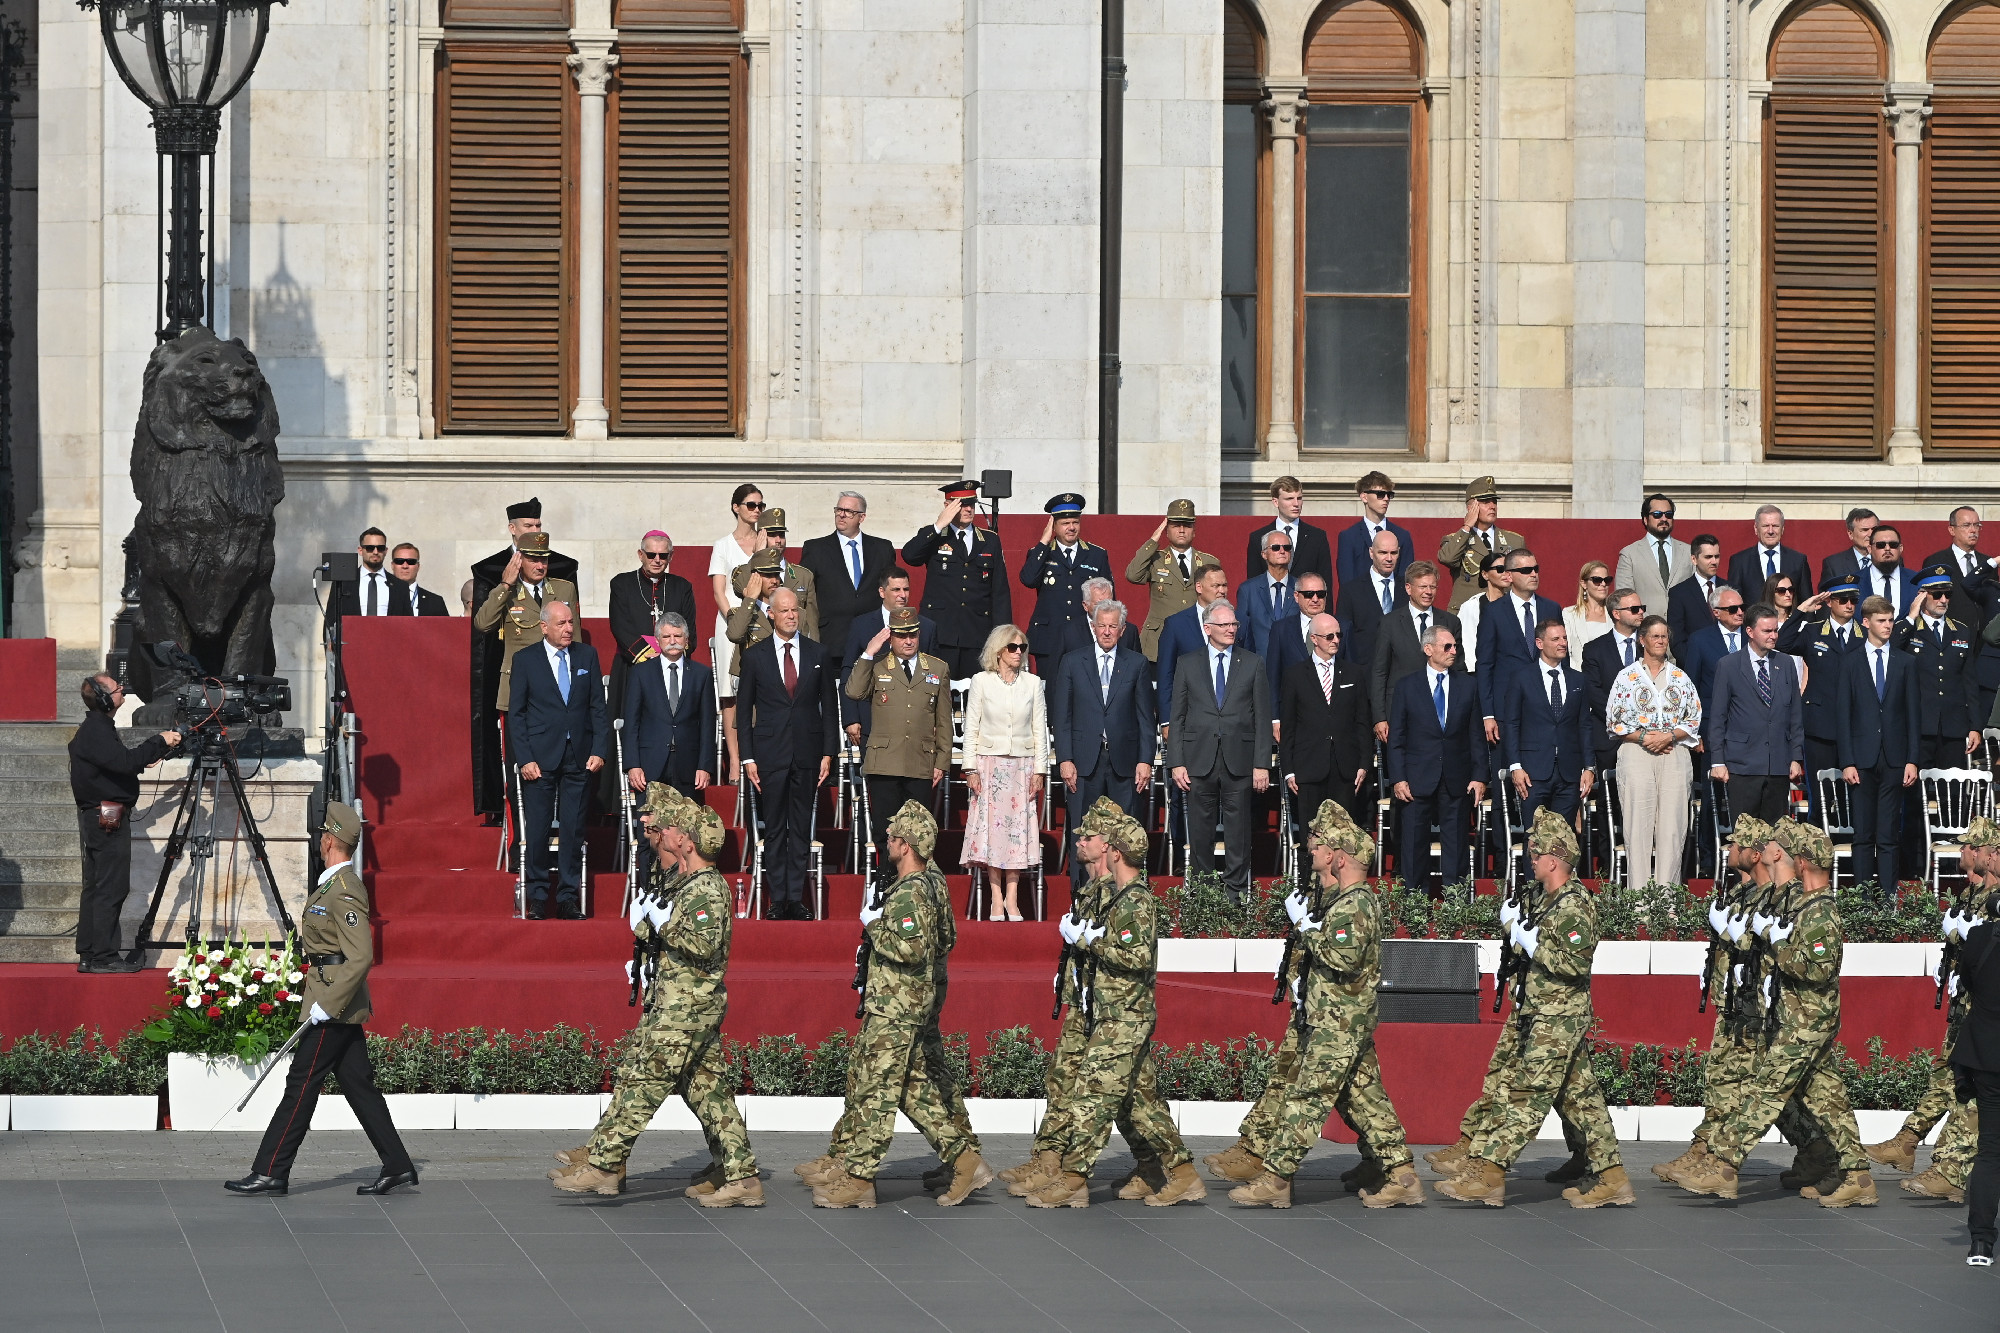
(205, 470)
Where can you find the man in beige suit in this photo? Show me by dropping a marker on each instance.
(513, 610)
(1656, 562)
(909, 733)
(784, 574)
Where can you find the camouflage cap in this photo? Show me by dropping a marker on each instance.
(1096, 820)
(915, 825)
(703, 828)
(1750, 833)
(1129, 837)
(661, 801)
(343, 822)
(1803, 842)
(1552, 836)
(1982, 832)
(1329, 819)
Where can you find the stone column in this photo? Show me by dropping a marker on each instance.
(593, 63)
(1285, 100)
(1907, 112)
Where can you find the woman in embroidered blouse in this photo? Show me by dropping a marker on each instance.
(1656, 716)
(1006, 762)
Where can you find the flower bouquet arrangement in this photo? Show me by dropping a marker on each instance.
(225, 998)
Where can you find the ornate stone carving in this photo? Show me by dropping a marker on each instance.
(593, 72)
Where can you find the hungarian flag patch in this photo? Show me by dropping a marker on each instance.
(1576, 937)
(1819, 948)
(701, 915)
(908, 925)
(1124, 937)
(1340, 936)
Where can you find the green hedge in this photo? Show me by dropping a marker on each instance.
(83, 1066)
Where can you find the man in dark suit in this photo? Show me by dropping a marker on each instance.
(639, 598)
(490, 653)
(1886, 575)
(1288, 641)
(1101, 711)
(1077, 634)
(1324, 745)
(785, 729)
(1768, 558)
(1268, 596)
(1219, 745)
(374, 593)
(1975, 1063)
(1367, 600)
(1182, 634)
(1056, 568)
(1722, 636)
(893, 593)
(1947, 691)
(558, 733)
(669, 711)
(1545, 730)
(1436, 760)
(847, 566)
(1399, 643)
(1603, 658)
(1853, 558)
(1310, 548)
(1975, 597)
(1687, 609)
(1756, 728)
(406, 560)
(1350, 557)
(965, 580)
(1507, 638)
(1875, 725)
(1824, 632)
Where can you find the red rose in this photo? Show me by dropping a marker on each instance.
(215, 1011)
(284, 995)
(265, 1008)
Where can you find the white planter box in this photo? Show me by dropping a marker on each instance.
(503, 1110)
(86, 1113)
(202, 1092)
(1259, 956)
(1876, 1126)
(674, 1114)
(1219, 1120)
(1668, 1124)
(1198, 956)
(1679, 958)
(1883, 960)
(6, 1110)
(1625, 1122)
(410, 1110)
(1933, 955)
(1622, 958)
(1005, 1115)
(1489, 957)
(800, 1114)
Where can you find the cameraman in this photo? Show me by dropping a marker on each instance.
(104, 778)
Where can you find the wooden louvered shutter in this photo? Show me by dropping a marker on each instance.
(504, 206)
(1961, 328)
(675, 256)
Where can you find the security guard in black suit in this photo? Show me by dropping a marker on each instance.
(1947, 689)
(965, 579)
(1057, 568)
(1825, 633)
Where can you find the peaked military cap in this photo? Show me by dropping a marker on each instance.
(343, 822)
(533, 543)
(1069, 502)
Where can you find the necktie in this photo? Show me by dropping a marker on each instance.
(1486, 539)
(1842, 634)
(1069, 556)
(562, 672)
(1707, 589)
(1182, 557)
(910, 670)
(854, 560)
(1937, 635)
(1437, 697)
(1665, 579)
(1326, 679)
(1732, 641)
(1770, 564)
(1555, 690)
(966, 541)
(1764, 680)
(673, 688)
(1388, 602)
(1628, 651)
(1277, 599)
(1221, 678)
(791, 673)
(1423, 625)
(1104, 677)
(1881, 674)
(1528, 622)
(374, 584)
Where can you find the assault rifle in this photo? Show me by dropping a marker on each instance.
(1292, 942)
(864, 953)
(1948, 959)
(1726, 900)
(1513, 962)
(1068, 955)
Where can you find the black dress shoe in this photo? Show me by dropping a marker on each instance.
(537, 914)
(568, 912)
(1980, 1255)
(388, 1182)
(256, 1184)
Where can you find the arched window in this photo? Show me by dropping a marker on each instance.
(1961, 261)
(1243, 214)
(1827, 238)
(1361, 314)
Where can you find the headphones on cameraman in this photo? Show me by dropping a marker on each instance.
(100, 698)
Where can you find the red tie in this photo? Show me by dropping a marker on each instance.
(791, 673)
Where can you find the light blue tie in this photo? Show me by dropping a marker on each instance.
(1437, 697)
(562, 672)
(854, 559)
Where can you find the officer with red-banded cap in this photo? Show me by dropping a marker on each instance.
(965, 579)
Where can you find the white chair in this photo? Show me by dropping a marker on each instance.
(1953, 798)
(1989, 749)
(1514, 829)
(1836, 818)
(1620, 866)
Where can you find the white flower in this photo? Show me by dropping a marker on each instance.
(258, 960)
(216, 955)
(295, 977)
(211, 986)
(194, 1001)
(202, 972)
(250, 989)
(232, 1001)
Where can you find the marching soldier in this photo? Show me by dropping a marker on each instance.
(1168, 572)
(1146, 1122)
(1338, 929)
(678, 1045)
(1553, 1019)
(909, 739)
(1947, 688)
(338, 945)
(906, 941)
(1462, 551)
(512, 612)
(1800, 990)
(779, 573)
(1057, 568)
(1121, 952)
(965, 580)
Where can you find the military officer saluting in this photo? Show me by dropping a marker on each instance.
(1057, 567)
(748, 623)
(1947, 689)
(965, 579)
(1168, 572)
(513, 610)
(909, 739)
(1462, 551)
(778, 573)
(338, 944)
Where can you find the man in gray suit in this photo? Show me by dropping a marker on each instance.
(1399, 641)
(1219, 744)
(1755, 724)
(1656, 562)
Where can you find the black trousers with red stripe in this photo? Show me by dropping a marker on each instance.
(330, 1048)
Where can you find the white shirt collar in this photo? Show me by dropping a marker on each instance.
(781, 640)
(331, 871)
(1438, 677)
(552, 650)
(534, 589)
(1521, 601)
(1756, 656)
(1323, 663)
(1068, 550)
(1416, 610)
(1931, 622)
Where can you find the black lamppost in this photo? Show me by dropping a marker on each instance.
(184, 59)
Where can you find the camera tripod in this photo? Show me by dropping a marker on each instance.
(211, 763)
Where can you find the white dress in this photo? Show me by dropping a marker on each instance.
(723, 559)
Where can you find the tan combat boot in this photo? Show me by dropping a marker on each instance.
(1268, 1190)
(1445, 1161)
(1183, 1186)
(1857, 1191)
(1239, 1164)
(1933, 1184)
(1048, 1167)
(1366, 1177)
(1212, 1160)
(1695, 1152)
(1403, 1188)
(1711, 1175)
(1066, 1190)
(1147, 1176)
(1898, 1154)
(1613, 1187)
(583, 1178)
(969, 1172)
(571, 1156)
(1477, 1181)
(1015, 1174)
(845, 1191)
(745, 1193)
(817, 1166)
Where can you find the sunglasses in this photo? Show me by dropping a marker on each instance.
(1279, 546)
(403, 560)
(1381, 495)
(754, 504)
(1786, 588)
(1888, 546)
(849, 513)
(1598, 579)
(374, 548)
(1014, 648)
(1319, 593)
(1524, 569)
(656, 555)
(1736, 610)
(1326, 636)
(1637, 607)
(1659, 513)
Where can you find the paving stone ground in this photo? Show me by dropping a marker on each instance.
(133, 1231)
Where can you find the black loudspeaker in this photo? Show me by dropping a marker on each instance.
(996, 484)
(1429, 981)
(339, 567)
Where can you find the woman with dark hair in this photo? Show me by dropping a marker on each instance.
(1655, 713)
(747, 504)
(1782, 591)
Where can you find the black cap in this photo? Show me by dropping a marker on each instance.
(528, 508)
(1069, 502)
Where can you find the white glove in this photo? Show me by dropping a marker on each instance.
(1509, 914)
(1951, 986)
(1779, 934)
(1297, 997)
(1530, 940)
(1295, 908)
(1736, 974)
(638, 910)
(1738, 925)
(1767, 990)
(657, 915)
(1069, 928)
(628, 971)
(1718, 920)
(869, 915)
(318, 1015)
(1759, 923)
(1091, 934)
(1307, 925)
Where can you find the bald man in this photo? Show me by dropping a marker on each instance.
(787, 730)
(1324, 745)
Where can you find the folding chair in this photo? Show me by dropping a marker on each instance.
(1384, 814)
(1514, 827)
(1617, 857)
(1836, 818)
(1953, 798)
(1989, 749)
